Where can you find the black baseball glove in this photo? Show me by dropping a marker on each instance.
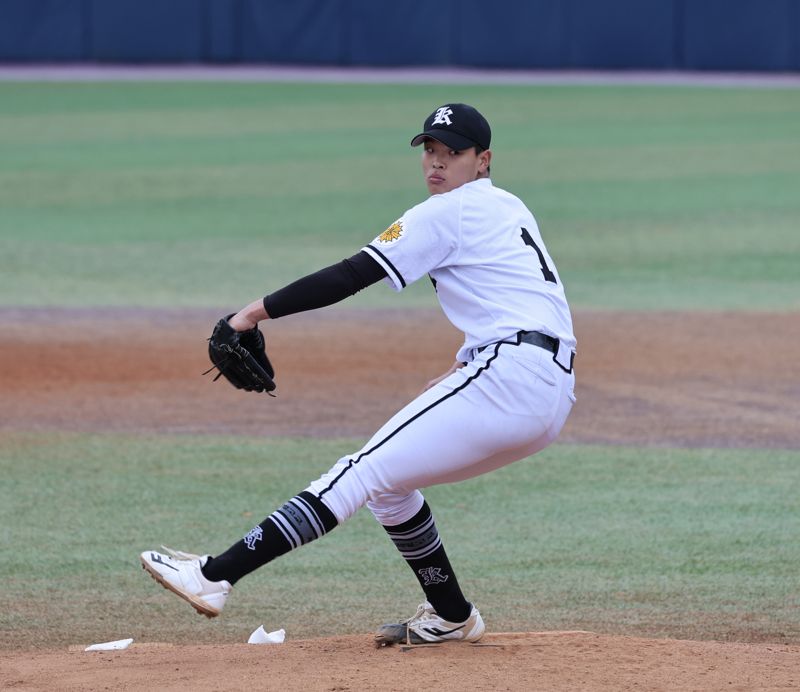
(241, 357)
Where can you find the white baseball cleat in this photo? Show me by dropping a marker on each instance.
(180, 573)
(426, 627)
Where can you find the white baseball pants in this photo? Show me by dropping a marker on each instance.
(508, 403)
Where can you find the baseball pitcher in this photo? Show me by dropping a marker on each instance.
(506, 396)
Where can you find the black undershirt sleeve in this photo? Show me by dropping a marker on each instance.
(325, 287)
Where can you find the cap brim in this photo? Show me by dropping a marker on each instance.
(449, 139)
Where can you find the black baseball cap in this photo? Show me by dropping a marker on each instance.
(457, 126)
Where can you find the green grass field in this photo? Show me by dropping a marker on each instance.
(121, 194)
(201, 195)
(687, 543)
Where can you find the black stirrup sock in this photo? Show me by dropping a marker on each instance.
(419, 543)
(301, 520)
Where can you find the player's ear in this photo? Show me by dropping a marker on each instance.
(484, 161)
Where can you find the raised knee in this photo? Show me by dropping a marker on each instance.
(391, 510)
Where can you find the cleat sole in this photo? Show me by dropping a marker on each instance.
(200, 606)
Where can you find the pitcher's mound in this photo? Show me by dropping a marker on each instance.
(501, 661)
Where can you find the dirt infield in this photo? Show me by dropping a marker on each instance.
(712, 380)
(698, 380)
(551, 661)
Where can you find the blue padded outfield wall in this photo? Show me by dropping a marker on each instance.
(574, 34)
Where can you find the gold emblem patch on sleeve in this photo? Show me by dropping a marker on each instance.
(392, 233)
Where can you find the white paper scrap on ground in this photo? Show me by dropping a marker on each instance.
(260, 636)
(110, 646)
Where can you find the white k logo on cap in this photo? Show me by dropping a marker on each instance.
(442, 116)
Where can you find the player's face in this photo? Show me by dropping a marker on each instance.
(446, 169)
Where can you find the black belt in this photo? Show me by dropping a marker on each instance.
(548, 343)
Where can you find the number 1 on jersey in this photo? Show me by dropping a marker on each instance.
(548, 275)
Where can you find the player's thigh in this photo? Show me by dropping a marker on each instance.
(492, 412)
(474, 422)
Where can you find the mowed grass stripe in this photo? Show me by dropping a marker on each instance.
(126, 194)
(680, 543)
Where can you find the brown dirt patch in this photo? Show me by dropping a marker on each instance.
(667, 379)
(722, 380)
(532, 661)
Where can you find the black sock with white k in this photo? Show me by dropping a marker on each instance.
(418, 542)
(301, 520)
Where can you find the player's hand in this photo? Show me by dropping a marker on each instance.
(456, 366)
(249, 317)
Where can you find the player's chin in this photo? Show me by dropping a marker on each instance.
(437, 187)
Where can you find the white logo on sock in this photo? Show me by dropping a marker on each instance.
(253, 535)
(432, 575)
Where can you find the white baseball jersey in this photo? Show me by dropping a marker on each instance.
(482, 248)
(494, 278)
